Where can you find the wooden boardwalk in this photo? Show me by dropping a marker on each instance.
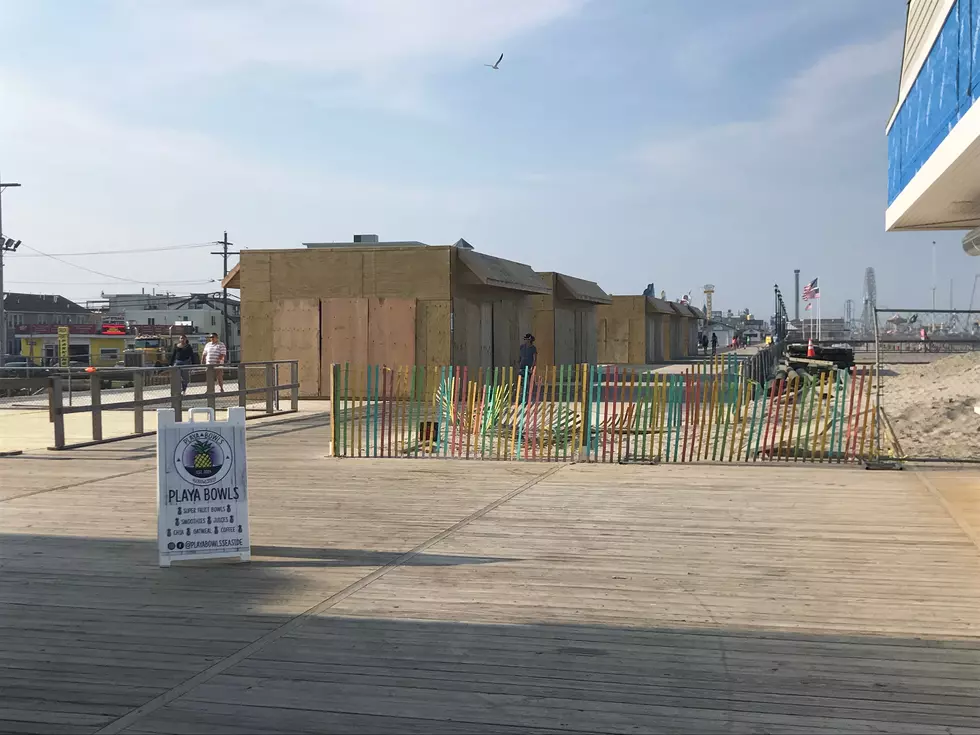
(394, 596)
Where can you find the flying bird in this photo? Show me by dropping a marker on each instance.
(496, 65)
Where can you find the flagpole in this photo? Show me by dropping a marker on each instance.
(819, 309)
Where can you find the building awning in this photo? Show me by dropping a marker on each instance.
(233, 279)
(683, 310)
(659, 306)
(578, 289)
(500, 273)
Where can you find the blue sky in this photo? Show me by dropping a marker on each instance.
(625, 141)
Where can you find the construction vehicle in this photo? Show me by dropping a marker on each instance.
(153, 345)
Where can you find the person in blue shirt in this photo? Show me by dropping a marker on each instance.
(528, 354)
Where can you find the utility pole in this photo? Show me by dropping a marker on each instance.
(224, 253)
(4, 247)
(796, 303)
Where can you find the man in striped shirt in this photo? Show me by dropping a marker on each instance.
(215, 353)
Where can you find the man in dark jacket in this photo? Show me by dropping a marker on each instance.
(528, 355)
(183, 355)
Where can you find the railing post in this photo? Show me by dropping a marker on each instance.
(270, 388)
(176, 397)
(242, 395)
(294, 380)
(95, 388)
(138, 401)
(56, 406)
(210, 381)
(334, 413)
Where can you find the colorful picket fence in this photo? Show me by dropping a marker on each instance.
(712, 412)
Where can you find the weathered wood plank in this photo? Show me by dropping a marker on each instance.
(600, 599)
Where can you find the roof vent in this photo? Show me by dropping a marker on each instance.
(366, 238)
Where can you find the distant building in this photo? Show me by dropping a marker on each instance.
(934, 130)
(197, 314)
(32, 330)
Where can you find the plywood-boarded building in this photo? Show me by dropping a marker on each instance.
(637, 330)
(564, 322)
(688, 327)
(378, 304)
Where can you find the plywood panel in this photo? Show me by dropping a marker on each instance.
(296, 336)
(467, 331)
(564, 336)
(391, 331)
(504, 327)
(256, 330)
(343, 332)
(638, 340)
(651, 346)
(432, 333)
(486, 335)
(316, 273)
(418, 273)
(543, 329)
(254, 278)
(615, 347)
(523, 310)
(585, 335)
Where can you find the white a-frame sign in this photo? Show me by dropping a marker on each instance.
(202, 487)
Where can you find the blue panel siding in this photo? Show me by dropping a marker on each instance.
(947, 85)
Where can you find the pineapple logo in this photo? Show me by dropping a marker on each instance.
(203, 457)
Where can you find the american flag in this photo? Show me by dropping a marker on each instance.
(811, 290)
(808, 307)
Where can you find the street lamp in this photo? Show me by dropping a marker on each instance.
(6, 245)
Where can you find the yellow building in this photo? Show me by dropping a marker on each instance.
(85, 345)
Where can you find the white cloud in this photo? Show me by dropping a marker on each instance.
(710, 51)
(378, 51)
(94, 178)
(814, 113)
(92, 182)
(338, 36)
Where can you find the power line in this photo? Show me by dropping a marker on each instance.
(107, 283)
(90, 270)
(160, 249)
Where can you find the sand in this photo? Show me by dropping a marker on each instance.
(931, 406)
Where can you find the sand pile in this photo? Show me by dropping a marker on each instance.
(931, 406)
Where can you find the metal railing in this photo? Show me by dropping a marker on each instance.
(255, 386)
(916, 344)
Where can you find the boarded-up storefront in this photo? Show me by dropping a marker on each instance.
(684, 339)
(564, 322)
(636, 330)
(621, 331)
(492, 300)
(380, 305)
(659, 315)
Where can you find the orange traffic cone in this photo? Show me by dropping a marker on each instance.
(810, 352)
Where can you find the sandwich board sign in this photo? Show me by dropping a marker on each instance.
(202, 487)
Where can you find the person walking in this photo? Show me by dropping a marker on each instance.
(528, 358)
(181, 357)
(215, 355)
(714, 343)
